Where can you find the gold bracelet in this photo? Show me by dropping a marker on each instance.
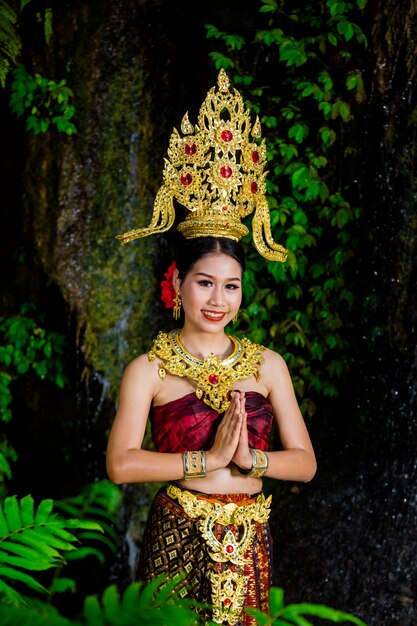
(259, 463)
(194, 464)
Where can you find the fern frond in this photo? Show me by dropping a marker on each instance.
(29, 581)
(138, 605)
(85, 551)
(34, 540)
(293, 611)
(98, 503)
(34, 615)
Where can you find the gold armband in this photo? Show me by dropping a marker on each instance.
(194, 464)
(259, 464)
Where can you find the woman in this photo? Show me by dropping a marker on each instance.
(211, 399)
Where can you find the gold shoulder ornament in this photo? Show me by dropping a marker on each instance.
(214, 376)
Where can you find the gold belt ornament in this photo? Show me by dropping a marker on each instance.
(228, 587)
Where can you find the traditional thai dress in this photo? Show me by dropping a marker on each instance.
(221, 544)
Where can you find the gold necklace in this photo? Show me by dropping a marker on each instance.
(214, 376)
(179, 348)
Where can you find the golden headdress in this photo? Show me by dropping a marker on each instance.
(216, 171)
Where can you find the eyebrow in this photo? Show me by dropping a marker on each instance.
(210, 276)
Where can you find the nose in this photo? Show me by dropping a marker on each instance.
(216, 297)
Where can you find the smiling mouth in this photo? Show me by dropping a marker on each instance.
(213, 316)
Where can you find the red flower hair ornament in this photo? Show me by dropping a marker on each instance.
(168, 292)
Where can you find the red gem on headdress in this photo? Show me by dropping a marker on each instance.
(224, 209)
(227, 135)
(186, 179)
(227, 602)
(230, 549)
(213, 379)
(226, 171)
(190, 149)
(255, 156)
(254, 187)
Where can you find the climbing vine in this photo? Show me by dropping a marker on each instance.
(41, 101)
(298, 70)
(25, 346)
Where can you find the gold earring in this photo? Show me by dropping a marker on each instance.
(234, 320)
(177, 306)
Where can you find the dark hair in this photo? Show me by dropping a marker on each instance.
(191, 250)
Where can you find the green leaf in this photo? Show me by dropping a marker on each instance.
(92, 612)
(82, 553)
(268, 6)
(293, 53)
(28, 580)
(234, 42)
(24, 551)
(48, 28)
(12, 513)
(213, 32)
(301, 177)
(298, 132)
(276, 600)
(36, 614)
(332, 38)
(221, 61)
(41, 563)
(324, 612)
(111, 602)
(62, 585)
(351, 81)
(345, 28)
(44, 510)
(11, 595)
(47, 538)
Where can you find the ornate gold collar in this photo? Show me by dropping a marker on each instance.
(214, 376)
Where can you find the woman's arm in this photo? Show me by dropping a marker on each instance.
(126, 462)
(297, 460)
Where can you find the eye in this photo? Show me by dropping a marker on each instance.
(232, 286)
(205, 283)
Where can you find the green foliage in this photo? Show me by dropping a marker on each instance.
(148, 605)
(10, 42)
(100, 503)
(43, 101)
(300, 74)
(10, 39)
(156, 603)
(26, 346)
(33, 540)
(282, 615)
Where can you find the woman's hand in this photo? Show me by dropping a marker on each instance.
(228, 435)
(242, 456)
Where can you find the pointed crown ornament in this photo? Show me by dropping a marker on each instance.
(216, 171)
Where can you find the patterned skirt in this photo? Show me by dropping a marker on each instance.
(221, 544)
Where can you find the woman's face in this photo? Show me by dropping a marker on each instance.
(211, 292)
